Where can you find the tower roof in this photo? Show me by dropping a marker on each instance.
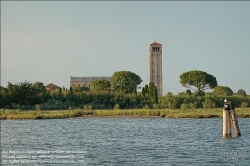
(155, 43)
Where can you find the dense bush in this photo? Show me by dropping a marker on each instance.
(19, 107)
(54, 105)
(244, 105)
(184, 106)
(208, 104)
(116, 107)
(193, 105)
(88, 107)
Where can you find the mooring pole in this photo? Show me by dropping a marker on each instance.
(235, 121)
(226, 121)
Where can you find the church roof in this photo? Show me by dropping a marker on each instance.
(155, 43)
(88, 79)
(51, 86)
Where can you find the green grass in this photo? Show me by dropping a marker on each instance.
(173, 113)
(168, 113)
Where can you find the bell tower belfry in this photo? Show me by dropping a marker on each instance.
(155, 66)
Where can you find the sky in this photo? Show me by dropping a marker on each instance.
(49, 41)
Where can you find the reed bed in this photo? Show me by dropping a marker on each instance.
(168, 113)
(34, 114)
(173, 113)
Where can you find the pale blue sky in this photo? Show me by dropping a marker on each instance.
(49, 41)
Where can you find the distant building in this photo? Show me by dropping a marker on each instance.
(155, 66)
(85, 81)
(51, 86)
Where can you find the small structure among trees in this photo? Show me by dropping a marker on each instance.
(51, 86)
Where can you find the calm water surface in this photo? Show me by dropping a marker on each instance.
(122, 141)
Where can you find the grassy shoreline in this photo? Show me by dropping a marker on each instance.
(130, 113)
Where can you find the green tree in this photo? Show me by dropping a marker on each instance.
(71, 90)
(152, 92)
(100, 85)
(223, 91)
(188, 92)
(198, 79)
(22, 93)
(39, 94)
(155, 95)
(3, 97)
(58, 94)
(241, 92)
(124, 81)
(169, 94)
(10, 96)
(171, 101)
(209, 94)
(208, 103)
(79, 89)
(182, 94)
(145, 90)
(26, 93)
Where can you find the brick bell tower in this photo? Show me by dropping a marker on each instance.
(155, 66)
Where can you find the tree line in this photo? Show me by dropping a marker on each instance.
(121, 93)
(26, 96)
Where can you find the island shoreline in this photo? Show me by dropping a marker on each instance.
(133, 113)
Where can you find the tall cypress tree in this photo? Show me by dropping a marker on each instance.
(146, 88)
(155, 95)
(71, 90)
(143, 91)
(151, 91)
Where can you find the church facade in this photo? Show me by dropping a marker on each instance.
(85, 81)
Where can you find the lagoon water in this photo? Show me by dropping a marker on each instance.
(122, 141)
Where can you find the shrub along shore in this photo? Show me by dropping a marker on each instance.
(167, 113)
